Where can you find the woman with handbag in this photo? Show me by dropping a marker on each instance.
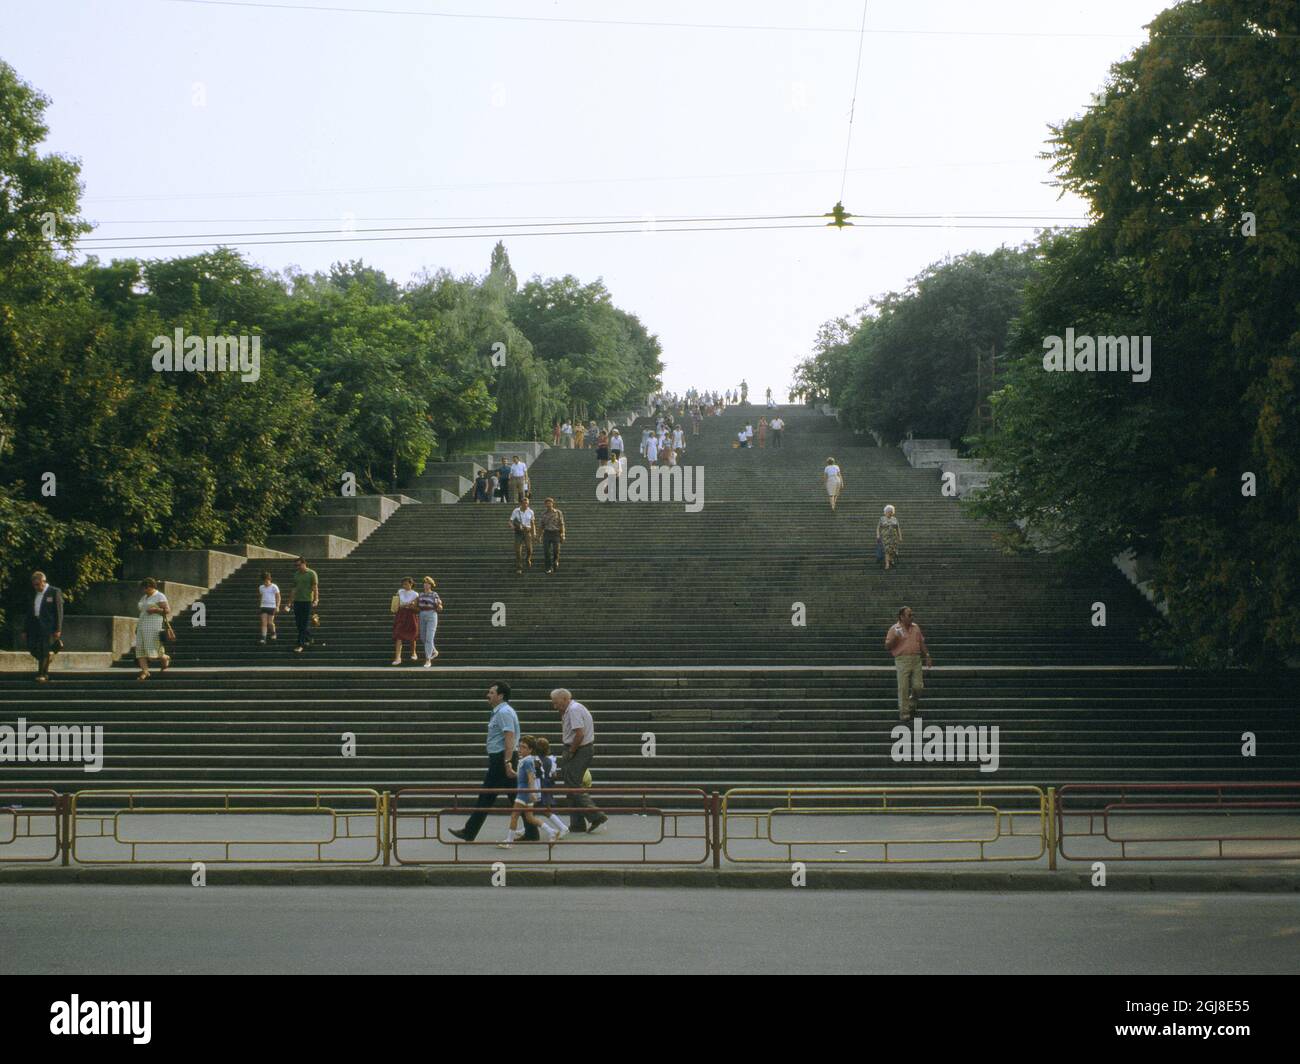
(406, 629)
(889, 537)
(152, 627)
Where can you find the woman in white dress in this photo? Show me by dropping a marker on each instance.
(154, 609)
(834, 479)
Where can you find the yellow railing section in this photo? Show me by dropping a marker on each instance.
(918, 824)
(337, 825)
(27, 818)
(421, 815)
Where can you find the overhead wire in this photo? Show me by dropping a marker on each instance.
(650, 24)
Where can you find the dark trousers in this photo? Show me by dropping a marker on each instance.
(38, 645)
(776, 437)
(551, 549)
(302, 618)
(572, 770)
(496, 779)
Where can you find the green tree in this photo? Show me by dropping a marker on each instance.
(1193, 145)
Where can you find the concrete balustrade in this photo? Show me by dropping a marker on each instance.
(250, 550)
(113, 635)
(344, 526)
(965, 465)
(119, 598)
(528, 450)
(440, 490)
(465, 467)
(205, 568)
(931, 459)
(376, 507)
(908, 446)
(69, 660)
(313, 546)
(1139, 570)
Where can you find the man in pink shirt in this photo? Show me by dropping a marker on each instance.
(906, 642)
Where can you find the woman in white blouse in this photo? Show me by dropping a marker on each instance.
(834, 481)
(153, 608)
(406, 625)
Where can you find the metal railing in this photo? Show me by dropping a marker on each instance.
(675, 824)
(205, 818)
(903, 825)
(913, 824)
(29, 818)
(1206, 821)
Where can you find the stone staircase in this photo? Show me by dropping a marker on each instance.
(680, 624)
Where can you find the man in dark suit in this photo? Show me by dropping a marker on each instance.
(44, 623)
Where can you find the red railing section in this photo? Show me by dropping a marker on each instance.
(1206, 821)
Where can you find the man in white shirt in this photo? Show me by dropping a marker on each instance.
(652, 450)
(778, 430)
(566, 433)
(579, 738)
(521, 520)
(742, 439)
(518, 480)
(749, 435)
(616, 445)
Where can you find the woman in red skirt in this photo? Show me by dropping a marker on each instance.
(406, 619)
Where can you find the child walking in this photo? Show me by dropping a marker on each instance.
(547, 770)
(528, 790)
(269, 596)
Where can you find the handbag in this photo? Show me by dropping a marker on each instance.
(169, 633)
(880, 550)
(392, 606)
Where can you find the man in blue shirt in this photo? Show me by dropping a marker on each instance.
(502, 735)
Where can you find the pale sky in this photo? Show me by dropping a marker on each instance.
(233, 118)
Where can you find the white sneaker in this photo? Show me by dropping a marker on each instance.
(550, 834)
(505, 845)
(428, 664)
(395, 661)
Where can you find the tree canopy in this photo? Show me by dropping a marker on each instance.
(101, 453)
(1189, 159)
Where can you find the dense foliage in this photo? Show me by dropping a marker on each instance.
(1190, 162)
(912, 362)
(101, 453)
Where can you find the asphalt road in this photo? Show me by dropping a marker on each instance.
(215, 929)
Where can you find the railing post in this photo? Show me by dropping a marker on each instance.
(385, 831)
(716, 818)
(64, 817)
(1051, 829)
